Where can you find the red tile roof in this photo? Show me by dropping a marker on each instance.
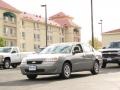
(6, 6)
(37, 18)
(113, 31)
(28, 16)
(59, 15)
(63, 19)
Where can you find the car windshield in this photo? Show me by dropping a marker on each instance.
(114, 45)
(55, 49)
(5, 50)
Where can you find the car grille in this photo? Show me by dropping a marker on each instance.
(109, 51)
(111, 54)
(34, 62)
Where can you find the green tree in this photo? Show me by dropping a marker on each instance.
(2, 42)
(97, 43)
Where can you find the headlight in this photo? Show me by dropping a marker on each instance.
(24, 60)
(51, 59)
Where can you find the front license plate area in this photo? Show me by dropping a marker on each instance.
(32, 68)
(109, 59)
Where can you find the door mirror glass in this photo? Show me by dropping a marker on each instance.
(13, 51)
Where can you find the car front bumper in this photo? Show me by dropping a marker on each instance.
(42, 69)
(112, 60)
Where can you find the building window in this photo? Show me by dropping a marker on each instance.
(6, 18)
(13, 20)
(9, 17)
(37, 37)
(36, 46)
(36, 26)
(11, 43)
(6, 30)
(23, 35)
(62, 31)
(23, 45)
(11, 31)
(6, 43)
(23, 24)
(62, 39)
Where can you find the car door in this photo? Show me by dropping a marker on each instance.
(15, 55)
(77, 59)
(88, 57)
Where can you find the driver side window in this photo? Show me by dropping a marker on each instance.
(77, 49)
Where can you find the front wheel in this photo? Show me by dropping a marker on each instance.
(31, 76)
(66, 71)
(6, 64)
(95, 69)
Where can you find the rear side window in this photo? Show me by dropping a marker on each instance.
(87, 48)
(15, 49)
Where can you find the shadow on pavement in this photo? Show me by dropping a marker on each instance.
(41, 80)
(111, 68)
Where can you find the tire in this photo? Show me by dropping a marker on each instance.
(66, 71)
(14, 65)
(119, 64)
(6, 64)
(104, 65)
(32, 76)
(95, 69)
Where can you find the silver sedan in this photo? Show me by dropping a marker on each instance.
(62, 59)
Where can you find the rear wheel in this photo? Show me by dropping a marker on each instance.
(66, 71)
(95, 69)
(6, 64)
(31, 76)
(14, 65)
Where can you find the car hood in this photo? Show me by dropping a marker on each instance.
(4, 54)
(43, 56)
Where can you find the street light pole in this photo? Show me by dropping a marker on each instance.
(92, 23)
(101, 22)
(46, 26)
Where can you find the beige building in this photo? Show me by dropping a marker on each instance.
(27, 31)
(110, 36)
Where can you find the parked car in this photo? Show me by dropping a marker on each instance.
(62, 59)
(111, 53)
(11, 56)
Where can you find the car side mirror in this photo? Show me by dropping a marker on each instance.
(13, 51)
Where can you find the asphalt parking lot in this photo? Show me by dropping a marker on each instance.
(109, 78)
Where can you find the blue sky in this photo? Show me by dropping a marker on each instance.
(107, 10)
